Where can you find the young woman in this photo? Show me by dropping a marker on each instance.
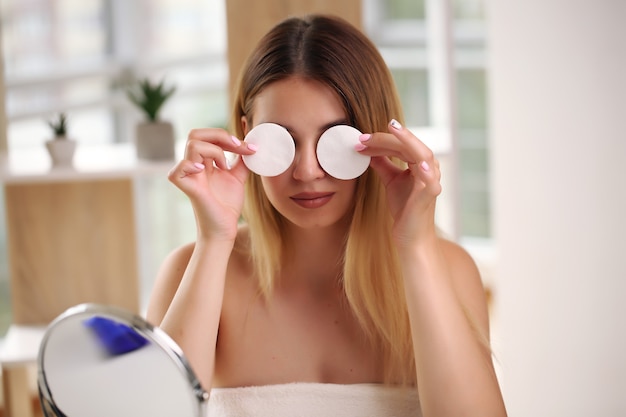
(341, 288)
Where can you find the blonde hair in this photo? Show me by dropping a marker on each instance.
(331, 51)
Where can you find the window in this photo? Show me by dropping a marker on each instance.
(472, 118)
(79, 56)
(408, 33)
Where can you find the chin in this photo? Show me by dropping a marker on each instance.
(312, 221)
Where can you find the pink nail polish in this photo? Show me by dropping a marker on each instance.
(424, 165)
(253, 147)
(198, 165)
(365, 137)
(236, 141)
(395, 124)
(359, 147)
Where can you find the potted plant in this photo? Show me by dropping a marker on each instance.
(60, 147)
(154, 137)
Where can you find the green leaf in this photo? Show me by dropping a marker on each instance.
(59, 125)
(150, 97)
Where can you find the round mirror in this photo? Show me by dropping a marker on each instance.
(103, 361)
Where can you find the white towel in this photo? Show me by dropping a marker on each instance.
(314, 400)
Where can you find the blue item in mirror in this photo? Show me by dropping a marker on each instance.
(116, 338)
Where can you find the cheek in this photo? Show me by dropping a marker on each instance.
(272, 187)
(349, 190)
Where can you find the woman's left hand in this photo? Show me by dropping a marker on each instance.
(411, 191)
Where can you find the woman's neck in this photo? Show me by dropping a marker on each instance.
(313, 258)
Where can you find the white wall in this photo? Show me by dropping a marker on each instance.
(3, 120)
(558, 125)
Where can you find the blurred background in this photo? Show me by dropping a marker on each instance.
(79, 56)
(523, 102)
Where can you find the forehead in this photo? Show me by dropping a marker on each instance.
(298, 101)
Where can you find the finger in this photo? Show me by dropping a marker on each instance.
(429, 175)
(417, 149)
(381, 144)
(239, 169)
(205, 153)
(221, 138)
(399, 142)
(385, 168)
(183, 169)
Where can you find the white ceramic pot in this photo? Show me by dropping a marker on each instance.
(61, 150)
(155, 141)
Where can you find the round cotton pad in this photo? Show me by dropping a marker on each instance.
(336, 153)
(275, 153)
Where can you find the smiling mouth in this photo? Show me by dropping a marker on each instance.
(312, 200)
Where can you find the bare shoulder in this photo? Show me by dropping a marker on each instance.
(467, 283)
(177, 260)
(458, 258)
(240, 268)
(173, 267)
(167, 280)
(240, 256)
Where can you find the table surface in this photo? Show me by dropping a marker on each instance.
(21, 345)
(107, 161)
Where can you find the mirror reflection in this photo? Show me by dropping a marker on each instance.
(102, 361)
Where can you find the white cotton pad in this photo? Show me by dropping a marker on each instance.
(275, 153)
(336, 153)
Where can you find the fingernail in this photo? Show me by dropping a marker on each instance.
(365, 137)
(253, 147)
(359, 147)
(424, 165)
(395, 124)
(236, 141)
(198, 165)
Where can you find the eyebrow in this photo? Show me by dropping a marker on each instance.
(327, 126)
(323, 128)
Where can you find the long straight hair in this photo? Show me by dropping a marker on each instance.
(331, 51)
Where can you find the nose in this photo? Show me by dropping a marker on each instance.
(306, 165)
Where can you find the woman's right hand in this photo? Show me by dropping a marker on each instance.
(216, 189)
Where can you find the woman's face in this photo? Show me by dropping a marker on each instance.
(304, 194)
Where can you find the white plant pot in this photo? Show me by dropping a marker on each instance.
(61, 150)
(155, 141)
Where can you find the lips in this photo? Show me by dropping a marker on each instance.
(312, 200)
